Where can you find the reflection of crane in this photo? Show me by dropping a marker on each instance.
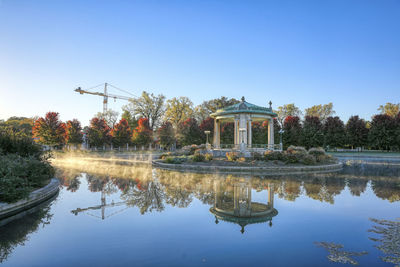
(105, 95)
(102, 206)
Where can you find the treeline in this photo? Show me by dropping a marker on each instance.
(151, 119)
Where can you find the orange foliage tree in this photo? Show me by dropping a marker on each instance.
(50, 130)
(142, 135)
(74, 132)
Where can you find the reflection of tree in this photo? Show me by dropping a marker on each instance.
(357, 186)
(336, 254)
(389, 239)
(16, 233)
(292, 190)
(74, 184)
(387, 189)
(178, 197)
(149, 199)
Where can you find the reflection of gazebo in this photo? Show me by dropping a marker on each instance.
(242, 115)
(241, 210)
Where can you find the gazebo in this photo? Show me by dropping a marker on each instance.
(242, 115)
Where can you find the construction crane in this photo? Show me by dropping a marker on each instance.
(105, 95)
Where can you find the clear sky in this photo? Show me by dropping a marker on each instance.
(307, 52)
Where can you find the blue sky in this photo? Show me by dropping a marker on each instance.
(307, 52)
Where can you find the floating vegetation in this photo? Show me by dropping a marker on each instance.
(336, 254)
(389, 239)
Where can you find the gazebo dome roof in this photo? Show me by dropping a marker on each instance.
(244, 107)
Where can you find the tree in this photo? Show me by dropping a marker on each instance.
(166, 134)
(207, 107)
(147, 106)
(49, 130)
(98, 133)
(390, 109)
(178, 110)
(292, 131)
(142, 135)
(287, 110)
(132, 121)
(397, 131)
(311, 135)
(207, 125)
(356, 132)
(110, 116)
(74, 132)
(320, 111)
(20, 126)
(259, 131)
(382, 132)
(334, 132)
(121, 133)
(189, 133)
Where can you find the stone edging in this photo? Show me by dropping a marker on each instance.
(248, 170)
(36, 197)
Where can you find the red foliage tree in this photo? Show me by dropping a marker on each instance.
(142, 135)
(49, 130)
(382, 132)
(99, 133)
(121, 133)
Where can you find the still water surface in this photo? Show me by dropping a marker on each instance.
(114, 215)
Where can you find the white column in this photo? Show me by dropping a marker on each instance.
(270, 132)
(249, 134)
(216, 133)
(219, 134)
(235, 135)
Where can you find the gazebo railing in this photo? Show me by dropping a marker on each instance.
(252, 147)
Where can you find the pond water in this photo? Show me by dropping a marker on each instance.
(118, 215)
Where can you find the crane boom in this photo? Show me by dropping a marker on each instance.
(105, 95)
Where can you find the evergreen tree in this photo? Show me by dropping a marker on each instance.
(166, 134)
(292, 131)
(311, 135)
(356, 132)
(121, 133)
(189, 133)
(382, 132)
(334, 132)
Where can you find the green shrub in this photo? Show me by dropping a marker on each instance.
(197, 157)
(292, 157)
(273, 155)
(308, 160)
(19, 175)
(175, 159)
(257, 156)
(232, 156)
(296, 150)
(208, 156)
(316, 151)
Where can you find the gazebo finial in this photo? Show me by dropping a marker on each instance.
(243, 99)
(270, 104)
